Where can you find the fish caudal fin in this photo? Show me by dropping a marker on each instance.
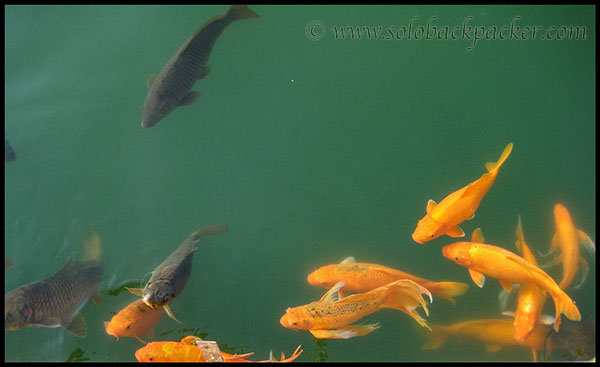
(448, 290)
(565, 305)
(436, 336)
(406, 295)
(241, 12)
(491, 166)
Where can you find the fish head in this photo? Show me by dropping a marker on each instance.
(158, 294)
(155, 109)
(323, 277)
(17, 312)
(561, 214)
(294, 318)
(148, 353)
(459, 252)
(427, 229)
(119, 326)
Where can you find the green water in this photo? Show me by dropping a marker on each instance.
(310, 150)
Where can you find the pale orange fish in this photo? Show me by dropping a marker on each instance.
(134, 320)
(363, 277)
(331, 316)
(496, 333)
(187, 351)
(568, 238)
(481, 259)
(444, 218)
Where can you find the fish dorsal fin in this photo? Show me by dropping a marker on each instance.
(76, 325)
(477, 236)
(520, 238)
(455, 231)
(189, 339)
(477, 277)
(332, 295)
(586, 241)
(151, 80)
(506, 285)
(430, 205)
(491, 166)
(348, 260)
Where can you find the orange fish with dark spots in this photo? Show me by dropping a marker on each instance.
(444, 218)
(134, 320)
(332, 315)
(363, 277)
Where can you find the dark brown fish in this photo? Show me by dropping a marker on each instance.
(172, 87)
(55, 301)
(169, 278)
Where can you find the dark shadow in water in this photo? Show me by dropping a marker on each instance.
(578, 338)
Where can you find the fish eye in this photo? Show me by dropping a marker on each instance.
(456, 258)
(294, 323)
(128, 326)
(151, 359)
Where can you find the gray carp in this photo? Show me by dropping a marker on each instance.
(169, 278)
(55, 301)
(172, 87)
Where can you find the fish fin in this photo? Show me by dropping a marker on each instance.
(493, 347)
(508, 313)
(332, 294)
(92, 246)
(344, 332)
(553, 246)
(97, 298)
(436, 336)
(477, 277)
(348, 260)
(137, 291)
(477, 236)
(140, 339)
(404, 295)
(586, 241)
(520, 238)
(430, 205)
(585, 268)
(203, 73)
(240, 12)
(506, 285)
(471, 217)
(535, 354)
(448, 290)
(151, 80)
(504, 297)
(170, 313)
(557, 260)
(190, 98)
(491, 166)
(563, 304)
(209, 231)
(191, 339)
(455, 231)
(76, 326)
(546, 319)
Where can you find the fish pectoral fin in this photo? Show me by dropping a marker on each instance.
(348, 260)
(190, 98)
(332, 294)
(477, 236)
(553, 246)
(345, 332)
(137, 291)
(76, 326)
(455, 231)
(430, 205)
(506, 285)
(151, 80)
(49, 322)
(191, 339)
(586, 241)
(170, 313)
(203, 73)
(97, 298)
(140, 339)
(477, 277)
(557, 260)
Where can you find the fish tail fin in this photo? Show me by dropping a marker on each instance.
(92, 247)
(565, 305)
(448, 290)
(436, 336)
(491, 166)
(209, 231)
(239, 12)
(406, 295)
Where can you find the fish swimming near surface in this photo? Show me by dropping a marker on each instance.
(9, 152)
(496, 333)
(187, 351)
(55, 301)
(444, 218)
(172, 87)
(363, 277)
(134, 320)
(331, 316)
(567, 238)
(169, 278)
(482, 259)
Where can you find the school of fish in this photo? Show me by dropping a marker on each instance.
(354, 290)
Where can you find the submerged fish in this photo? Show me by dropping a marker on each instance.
(9, 152)
(577, 338)
(134, 320)
(169, 278)
(172, 87)
(55, 301)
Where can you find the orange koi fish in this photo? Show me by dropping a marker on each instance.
(331, 316)
(134, 320)
(187, 351)
(496, 333)
(568, 238)
(363, 277)
(508, 268)
(444, 218)
(530, 299)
